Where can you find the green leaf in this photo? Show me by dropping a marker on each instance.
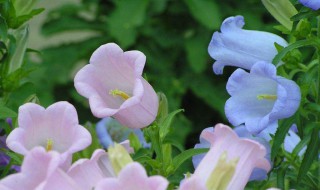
(165, 125)
(302, 15)
(311, 154)
(309, 42)
(16, 59)
(182, 157)
(134, 141)
(206, 12)
(20, 20)
(281, 177)
(124, 20)
(3, 28)
(197, 51)
(6, 112)
(280, 135)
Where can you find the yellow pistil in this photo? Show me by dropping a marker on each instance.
(222, 173)
(266, 97)
(49, 145)
(117, 92)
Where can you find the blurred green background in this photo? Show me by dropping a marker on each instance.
(173, 34)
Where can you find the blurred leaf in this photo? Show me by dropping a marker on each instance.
(16, 59)
(62, 24)
(124, 20)
(197, 51)
(6, 112)
(206, 12)
(211, 92)
(3, 28)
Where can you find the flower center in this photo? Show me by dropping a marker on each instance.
(49, 145)
(267, 97)
(121, 94)
(222, 173)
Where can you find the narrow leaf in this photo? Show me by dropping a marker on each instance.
(297, 44)
(280, 136)
(182, 157)
(165, 125)
(310, 155)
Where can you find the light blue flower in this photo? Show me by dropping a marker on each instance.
(313, 4)
(235, 46)
(260, 98)
(110, 130)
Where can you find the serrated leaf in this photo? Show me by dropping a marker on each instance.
(165, 125)
(6, 112)
(280, 135)
(297, 44)
(311, 154)
(206, 12)
(182, 157)
(123, 22)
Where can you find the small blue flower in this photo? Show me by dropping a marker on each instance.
(237, 47)
(313, 4)
(260, 98)
(110, 130)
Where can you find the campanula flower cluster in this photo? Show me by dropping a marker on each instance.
(130, 148)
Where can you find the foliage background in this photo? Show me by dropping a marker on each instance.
(174, 35)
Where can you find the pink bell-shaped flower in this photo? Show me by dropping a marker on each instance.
(114, 86)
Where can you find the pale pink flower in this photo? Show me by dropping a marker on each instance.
(38, 165)
(55, 128)
(227, 150)
(87, 172)
(114, 86)
(133, 177)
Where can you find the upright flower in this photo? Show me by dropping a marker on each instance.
(55, 128)
(313, 4)
(237, 47)
(257, 173)
(229, 162)
(36, 168)
(260, 98)
(133, 176)
(114, 86)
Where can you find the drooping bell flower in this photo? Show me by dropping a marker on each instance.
(312, 4)
(229, 162)
(260, 98)
(114, 86)
(133, 176)
(234, 46)
(257, 173)
(110, 130)
(55, 128)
